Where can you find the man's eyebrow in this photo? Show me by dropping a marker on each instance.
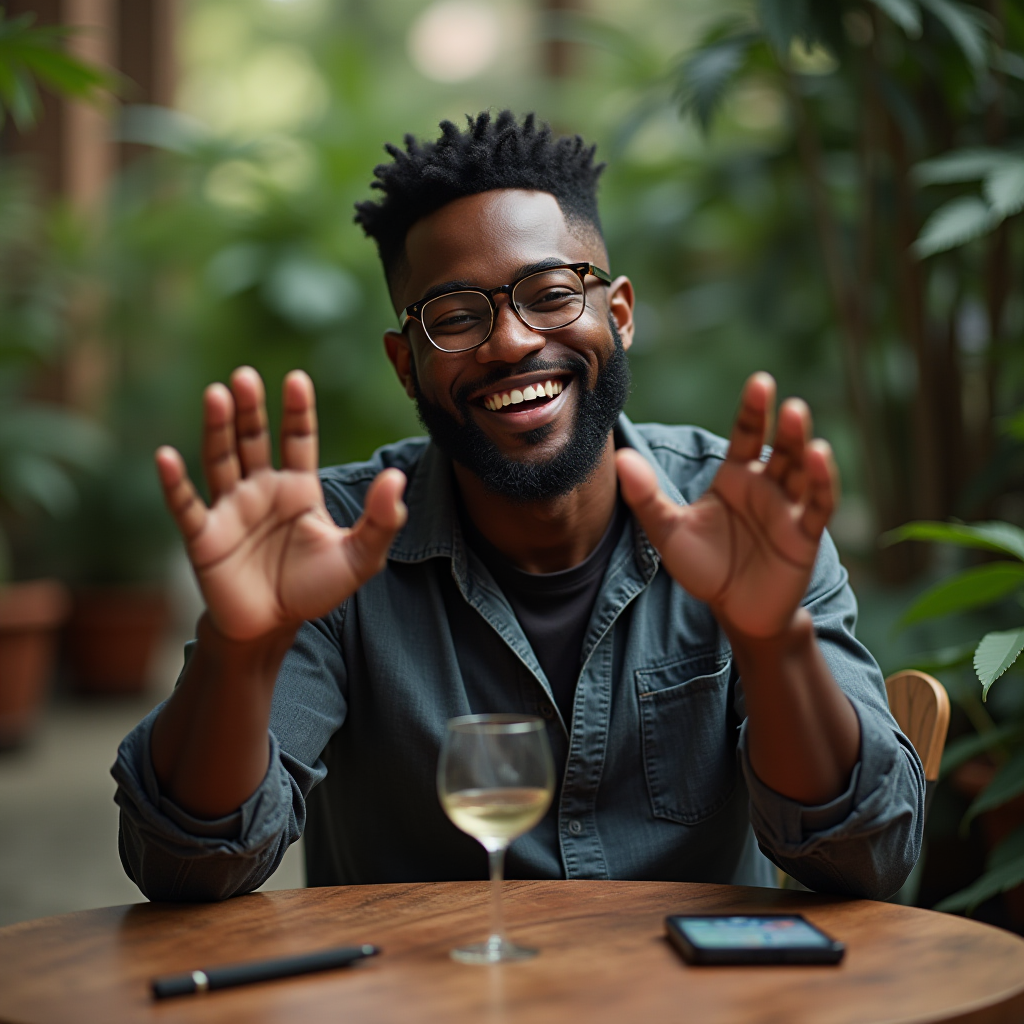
(549, 261)
(522, 271)
(445, 286)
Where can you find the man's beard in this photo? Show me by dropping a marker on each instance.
(597, 410)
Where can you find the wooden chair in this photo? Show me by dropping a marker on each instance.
(920, 705)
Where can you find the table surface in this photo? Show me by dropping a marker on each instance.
(604, 958)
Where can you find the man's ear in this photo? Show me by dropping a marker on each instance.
(620, 303)
(399, 351)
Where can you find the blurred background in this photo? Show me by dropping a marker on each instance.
(830, 191)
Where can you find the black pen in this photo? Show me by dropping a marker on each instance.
(230, 975)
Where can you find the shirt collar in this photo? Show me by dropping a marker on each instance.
(433, 530)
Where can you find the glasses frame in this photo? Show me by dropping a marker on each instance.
(583, 270)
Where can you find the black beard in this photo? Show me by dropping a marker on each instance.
(597, 410)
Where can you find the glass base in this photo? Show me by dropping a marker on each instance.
(493, 951)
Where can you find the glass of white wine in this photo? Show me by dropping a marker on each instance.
(495, 780)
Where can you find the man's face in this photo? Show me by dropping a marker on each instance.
(534, 449)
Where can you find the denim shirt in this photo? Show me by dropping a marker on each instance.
(654, 778)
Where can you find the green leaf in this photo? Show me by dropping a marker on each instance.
(53, 433)
(942, 659)
(972, 588)
(1002, 879)
(964, 25)
(1008, 850)
(1008, 783)
(961, 750)
(1014, 426)
(990, 536)
(29, 54)
(959, 165)
(905, 13)
(960, 220)
(783, 21)
(705, 75)
(1004, 188)
(1010, 63)
(29, 480)
(995, 654)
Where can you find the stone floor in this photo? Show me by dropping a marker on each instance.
(58, 820)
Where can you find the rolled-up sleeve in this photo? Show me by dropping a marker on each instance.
(866, 841)
(172, 855)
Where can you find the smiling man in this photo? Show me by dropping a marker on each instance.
(668, 602)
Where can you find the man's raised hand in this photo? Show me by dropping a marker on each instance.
(747, 546)
(266, 552)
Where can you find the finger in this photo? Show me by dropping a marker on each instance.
(384, 514)
(184, 503)
(823, 488)
(753, 420)
(654, 510)
(786, 463)
(220, 454)
(299, 439)
(251, 419)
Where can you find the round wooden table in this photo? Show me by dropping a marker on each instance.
(604, 958)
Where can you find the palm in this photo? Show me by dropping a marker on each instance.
(747, 547)
(267, 553)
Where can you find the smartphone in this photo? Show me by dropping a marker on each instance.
(746, 939)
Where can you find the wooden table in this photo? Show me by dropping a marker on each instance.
(604, 959)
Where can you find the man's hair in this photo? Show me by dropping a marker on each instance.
(488, 154)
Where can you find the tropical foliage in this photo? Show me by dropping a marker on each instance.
(896, 111)
(41, 444)
(981, 586)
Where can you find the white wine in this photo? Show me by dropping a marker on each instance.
(497, 814)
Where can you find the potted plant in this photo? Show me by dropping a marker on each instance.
(41, 444)
(118, 542)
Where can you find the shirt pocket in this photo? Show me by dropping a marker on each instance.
(689, 743)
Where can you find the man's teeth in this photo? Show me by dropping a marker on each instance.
(548, 388)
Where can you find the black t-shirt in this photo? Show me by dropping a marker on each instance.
(553, 608)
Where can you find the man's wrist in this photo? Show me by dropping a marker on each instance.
(260, 656)
(796, 640)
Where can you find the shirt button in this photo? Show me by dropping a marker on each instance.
(575, 827)
(547, 710)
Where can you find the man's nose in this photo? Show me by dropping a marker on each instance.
(511, 340)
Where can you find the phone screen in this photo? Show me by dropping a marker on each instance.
(751, 933)
(751, 939)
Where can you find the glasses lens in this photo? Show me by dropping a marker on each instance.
(457, 320)
(550, 299)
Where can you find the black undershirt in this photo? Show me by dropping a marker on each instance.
(553, 608)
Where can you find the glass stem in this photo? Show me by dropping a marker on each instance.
(497, 860)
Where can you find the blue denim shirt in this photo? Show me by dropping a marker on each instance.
(655, 782)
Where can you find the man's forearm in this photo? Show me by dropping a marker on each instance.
(803, 735)
(210, 744)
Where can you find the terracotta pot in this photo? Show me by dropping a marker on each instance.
(30, 616)
(112, 636)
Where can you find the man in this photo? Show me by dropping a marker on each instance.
(670, 605)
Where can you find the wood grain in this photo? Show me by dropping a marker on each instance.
(920, 705)
(604, 959)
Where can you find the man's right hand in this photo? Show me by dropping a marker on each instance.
(266, 552)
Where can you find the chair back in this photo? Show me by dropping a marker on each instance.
(920, 705)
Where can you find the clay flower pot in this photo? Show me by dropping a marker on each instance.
(30, 616)
(112, 636)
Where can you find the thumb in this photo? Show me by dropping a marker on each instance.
(656, 512)
(384, 514)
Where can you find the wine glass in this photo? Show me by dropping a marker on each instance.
(495, 780)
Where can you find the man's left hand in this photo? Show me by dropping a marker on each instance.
(747, 546)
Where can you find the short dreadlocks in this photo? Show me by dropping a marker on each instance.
(489, 154)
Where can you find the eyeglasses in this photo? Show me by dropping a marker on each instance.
(545, 300)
